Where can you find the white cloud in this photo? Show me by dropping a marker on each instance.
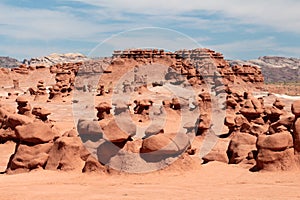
(282, 15)
(110, 17)
(44, 24)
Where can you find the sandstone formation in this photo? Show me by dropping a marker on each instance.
(139, 124)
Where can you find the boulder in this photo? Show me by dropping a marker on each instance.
(41, 113)
(119, 130)
(218, 152)
(36, 133)
(92, 165)
(204, 121)
(240, 146)
(30, 157)
(161, 146)
(240, 120)
(249, 110)
(133, 146)
(155, 127)
(229, 120)
(275, 160)
(67, 153)
(257, 129)
(89, 130)
(15, 120)
(285, 122)
(71, 133)
(275, 142)
(296, 134)
(231, 102)
(7, 134)
(106, 150)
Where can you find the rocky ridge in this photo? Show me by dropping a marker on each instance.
(7, 62)
(275, 69)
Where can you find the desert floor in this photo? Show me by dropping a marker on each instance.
(212, 181)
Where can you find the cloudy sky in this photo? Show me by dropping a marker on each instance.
(238, 29)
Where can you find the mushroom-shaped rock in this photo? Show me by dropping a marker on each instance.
(103, 109)
(142, 105)
(24, 107)
(21, 100)
(279, 104)
(285, 120)
(41, 113)
(175, 104)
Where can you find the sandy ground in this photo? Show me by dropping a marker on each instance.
(211, 181)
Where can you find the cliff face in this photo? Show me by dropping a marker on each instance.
(275, 69)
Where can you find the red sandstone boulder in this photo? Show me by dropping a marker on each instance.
(15, 120)
(218, 152)
(240, 146)
(92, 165)
(161, 146)
(36, 133)
(118, 131)
(275, 142)
(275, 160)
(67, 153)
(27, 158)
(296, 134)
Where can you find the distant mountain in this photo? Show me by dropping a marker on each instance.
(8, 62)
(55, 58)
(275, 69)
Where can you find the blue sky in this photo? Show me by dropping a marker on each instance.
(238, 29)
